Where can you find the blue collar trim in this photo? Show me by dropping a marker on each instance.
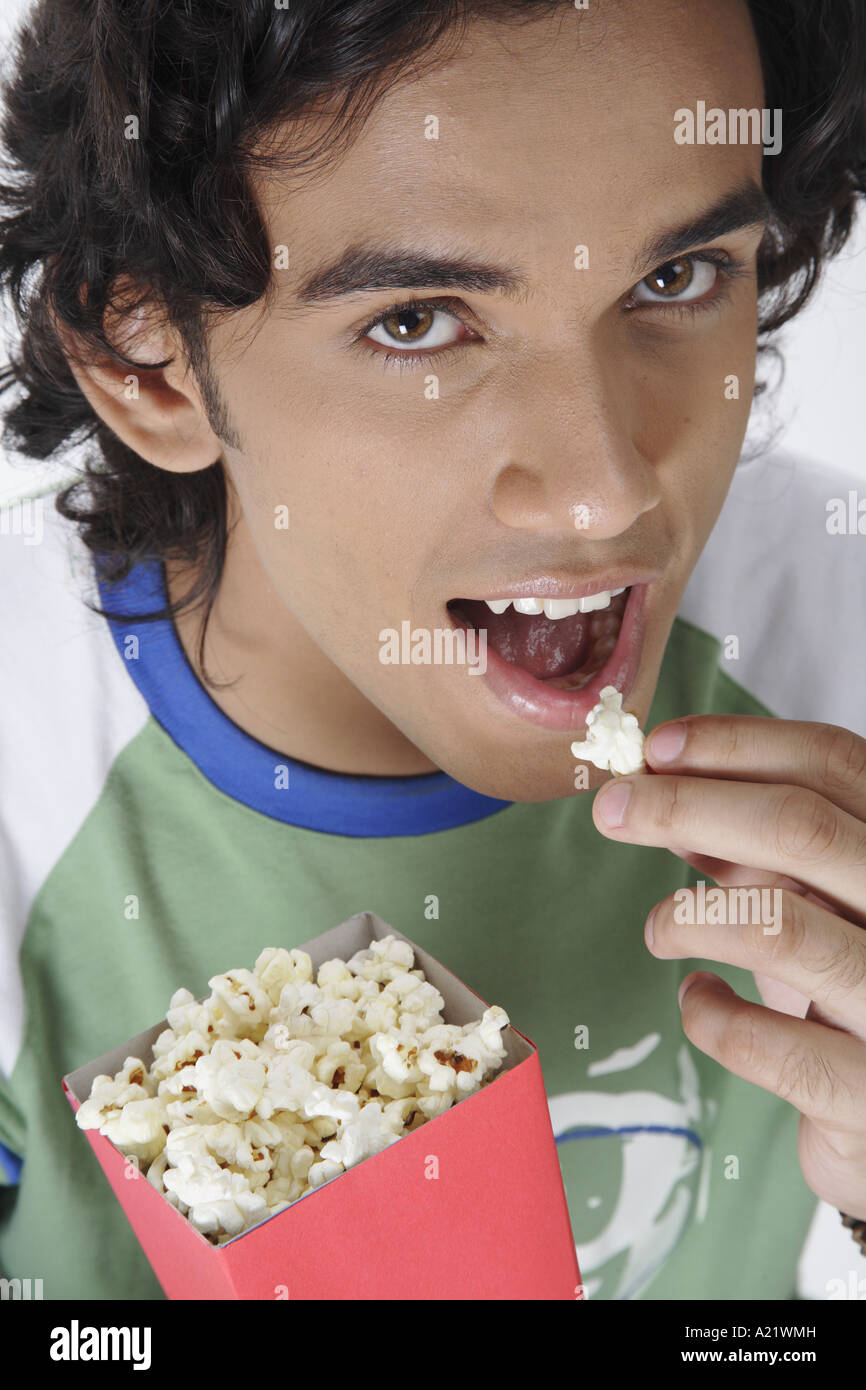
(248, 771)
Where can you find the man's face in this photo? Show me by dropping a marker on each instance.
(578, 434)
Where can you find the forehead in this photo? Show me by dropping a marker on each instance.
(556, 132)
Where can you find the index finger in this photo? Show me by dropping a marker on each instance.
(824, 758)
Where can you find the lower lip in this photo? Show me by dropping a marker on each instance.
(566, 710)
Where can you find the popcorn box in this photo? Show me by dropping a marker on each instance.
(471, 1205)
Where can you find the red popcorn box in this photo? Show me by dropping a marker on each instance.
(470, 1205)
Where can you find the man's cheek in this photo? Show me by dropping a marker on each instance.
(713, 419)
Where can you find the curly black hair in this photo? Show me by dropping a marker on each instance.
(96, 222)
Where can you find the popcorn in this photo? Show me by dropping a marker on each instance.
(138, 1129)
(279, 1081)
(154, 1177)
(420, 1008)
(614, 742)
(336, 976)
(381, 960)
(108, 1095)
(231, 1083)
(238, 999)
(218, 1200)
(179, 1052)
(398, 1057)
(340, 1066)
(323, 1171)
(333, 1016)
(244, 1147)
(367, 1133)
(276, 967)
(489, 1031)
(463, 1066)
(186, 1015)
(288, 1083)
(189, 1109)
(380, 1015)
(433, 1104)
(379, 1083)
(404, 1112)
(294, 1007)
(335, 1105)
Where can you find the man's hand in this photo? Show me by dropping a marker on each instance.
(773, 804)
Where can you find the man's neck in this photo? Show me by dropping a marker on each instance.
(288, 694)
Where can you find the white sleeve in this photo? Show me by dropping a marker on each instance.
(791, 590)
(67, 707)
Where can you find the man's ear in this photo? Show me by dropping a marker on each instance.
(160, 413)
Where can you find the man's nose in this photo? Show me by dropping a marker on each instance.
(569, 460)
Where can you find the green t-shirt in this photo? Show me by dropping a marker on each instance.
(125, 784)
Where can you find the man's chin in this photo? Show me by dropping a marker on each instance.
(511, 759)
(518, 775)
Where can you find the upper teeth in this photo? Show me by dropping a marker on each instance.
(555, 607)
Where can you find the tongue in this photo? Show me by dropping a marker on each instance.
(545, 647)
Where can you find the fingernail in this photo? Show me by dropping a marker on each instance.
(648, 929)
(686, 985)
(684, 989)
(613, 801)
(668, 742)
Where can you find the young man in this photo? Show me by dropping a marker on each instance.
(492, 336)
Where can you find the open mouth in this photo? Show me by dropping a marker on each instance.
(563, 652)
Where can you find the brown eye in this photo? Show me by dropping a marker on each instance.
(416, 325)
(672, 278)
(408, 324)
(679, 281)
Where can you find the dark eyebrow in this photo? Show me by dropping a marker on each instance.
(362, 267)
(744, 207)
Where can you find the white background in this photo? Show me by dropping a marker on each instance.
(818, 413)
